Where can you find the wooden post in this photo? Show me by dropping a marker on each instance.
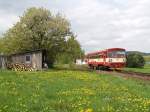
(2, 62)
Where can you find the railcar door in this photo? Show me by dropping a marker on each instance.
(100, 59)
(104, 59)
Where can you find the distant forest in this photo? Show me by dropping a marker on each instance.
(142, 53)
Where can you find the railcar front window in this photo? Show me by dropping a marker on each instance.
(116, 54)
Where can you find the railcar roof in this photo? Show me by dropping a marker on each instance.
(115, 49)
(102, 51)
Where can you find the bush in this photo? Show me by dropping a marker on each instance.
(135, 60)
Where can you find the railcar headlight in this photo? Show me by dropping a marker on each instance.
(110, 60)
(124, 60)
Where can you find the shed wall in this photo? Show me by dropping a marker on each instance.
(36, 59)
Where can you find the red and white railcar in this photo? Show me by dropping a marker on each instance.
(109, 58)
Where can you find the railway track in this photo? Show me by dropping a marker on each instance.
(127, 74)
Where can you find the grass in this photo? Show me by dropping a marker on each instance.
(72, 67)
(147, 58)
(145, 69)
(71, 91)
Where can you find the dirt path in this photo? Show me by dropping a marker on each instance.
(141, 76)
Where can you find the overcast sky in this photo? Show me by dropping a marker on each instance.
(99, 24)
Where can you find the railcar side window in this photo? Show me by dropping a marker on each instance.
(94, 57)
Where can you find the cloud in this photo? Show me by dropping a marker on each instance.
(118, 24)
(99, 24)
(7, 21)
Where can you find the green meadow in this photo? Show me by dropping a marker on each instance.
(71, 91)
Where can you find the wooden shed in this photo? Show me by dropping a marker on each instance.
(35, 59)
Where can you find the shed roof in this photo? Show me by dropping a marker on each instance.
(26, 52)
